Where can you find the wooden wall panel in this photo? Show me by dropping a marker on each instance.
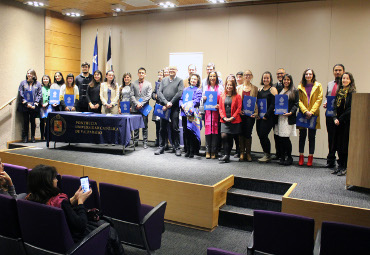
(358, 173)
(52, 63)
(60, 51)
(59, 23)
(62, 39)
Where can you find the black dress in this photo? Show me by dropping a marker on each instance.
(341, 134)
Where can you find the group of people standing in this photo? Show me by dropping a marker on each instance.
(223, 126)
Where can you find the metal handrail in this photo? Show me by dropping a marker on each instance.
(8, 103)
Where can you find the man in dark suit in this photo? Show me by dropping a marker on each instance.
(141, 89)
(169, 94)
(279, 87)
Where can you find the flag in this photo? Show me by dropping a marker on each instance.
(95, 56)
(109, 65)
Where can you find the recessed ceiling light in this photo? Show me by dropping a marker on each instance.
(38, 3)
(217, 1)
(72, 12)
(118, 8)
(167, 4)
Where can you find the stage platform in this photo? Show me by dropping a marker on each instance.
(199, 182)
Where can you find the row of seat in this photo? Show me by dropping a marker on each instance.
(137, 224)
(286, 234)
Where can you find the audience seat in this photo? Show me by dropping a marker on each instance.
(45, 231)
(70, 184)
(282, 234)
(215, 251)
(19, 177)
(340, 238)
(10, 233)
(137, 224)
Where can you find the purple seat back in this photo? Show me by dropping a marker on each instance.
(70, 184)
(19, 177)
(281, 233)
(340, 238)
(120, 202)
(215, 251)
(9, 226)
(44, 226)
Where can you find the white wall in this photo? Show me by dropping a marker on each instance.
(22, 47)
(295, 36)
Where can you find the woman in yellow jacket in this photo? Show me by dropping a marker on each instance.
(310, 99)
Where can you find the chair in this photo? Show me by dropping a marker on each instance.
(45, 231)
(10, 234)
(19, 177)
(215, 251)
(70, 184)
(137, 224)
(340, 238)
(281, 233)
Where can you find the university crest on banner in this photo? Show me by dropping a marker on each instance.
(58, 125)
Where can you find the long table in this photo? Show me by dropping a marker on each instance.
(77, 127)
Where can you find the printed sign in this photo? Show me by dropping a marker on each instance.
(54, 96)
(69, 100)
(125, 107)
(28, 96)
(249, 104)
(187, 96)
(281, 104)
(211, 102)
(262, 107)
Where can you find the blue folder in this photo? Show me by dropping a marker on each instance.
(249, 104)
(306, 123)
(45, 111)
(281, 104)
(69, 100)
(125, 107)
(187, 96)
(158, 111)
(28, 96)
(54, 96)
(146, 108)
(330, 106)
(262, 107)
(211, 102)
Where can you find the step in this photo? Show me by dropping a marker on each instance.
(236, 217)
(256, 194)
(253, 202)
(266, 186)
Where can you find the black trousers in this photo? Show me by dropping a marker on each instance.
(29, 117)
(263, 130)
(330, 128)
(212, 143)
(277, 145)
(191, 142)
(342, 159)
(227, 141)
(311, 140)
(42, 127)
(174, 127)
(145, 130)
(285, 146)
(247, 126)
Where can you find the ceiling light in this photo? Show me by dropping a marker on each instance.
(217, 1)
(72, 12)
(38, 3)
(118, 7)
(167, 4)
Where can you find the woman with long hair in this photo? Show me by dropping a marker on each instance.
(109, 94)
(125, 90)
(266, 123)
(212, 118)
(191, 120)
(310, 99)
(285, 124)
(6, 184)
(70, 88)
(46, 83)
(342, 117)
(245, 137)
(57, 84)
(29, 106)
(42, 187)
(93, 92)
(230, 107)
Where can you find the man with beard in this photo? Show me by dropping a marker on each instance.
(338, 71)
(82, 81)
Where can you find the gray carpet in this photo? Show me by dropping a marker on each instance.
(314, 183)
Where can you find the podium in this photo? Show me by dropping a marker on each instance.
(358, 166)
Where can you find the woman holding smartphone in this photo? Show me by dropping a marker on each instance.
(6, 184)
(109, 94)
(310, 99)
(69, 89)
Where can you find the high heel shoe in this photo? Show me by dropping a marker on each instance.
(301, 160)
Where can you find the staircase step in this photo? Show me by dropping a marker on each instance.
(236, 217)
(256, 194)
(252, 202)
(266, 186)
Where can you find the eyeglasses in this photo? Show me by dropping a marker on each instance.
(279, 73)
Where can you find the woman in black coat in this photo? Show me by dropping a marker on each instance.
(342, 116)
(285, 124)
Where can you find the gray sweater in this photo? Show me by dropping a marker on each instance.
(171, 91)
(10, 192)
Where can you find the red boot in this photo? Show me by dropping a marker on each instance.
(310, 159)
(301, 160)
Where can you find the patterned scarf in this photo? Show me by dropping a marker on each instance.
(342, 94)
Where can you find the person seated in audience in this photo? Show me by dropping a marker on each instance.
(6, 183)
(93, 93)
(230, 106)
(69, 89)
(42, 188)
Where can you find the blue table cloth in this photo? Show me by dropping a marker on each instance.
(76, 127)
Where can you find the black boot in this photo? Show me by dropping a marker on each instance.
(288, 161)
(225, 158)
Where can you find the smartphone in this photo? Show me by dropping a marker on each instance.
(85, 183)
